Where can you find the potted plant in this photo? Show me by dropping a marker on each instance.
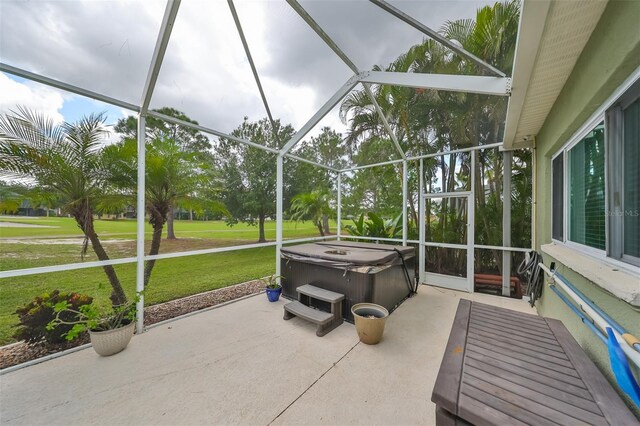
(369, 320)
(273, 287)
(110, 329)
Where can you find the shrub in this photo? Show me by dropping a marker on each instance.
(35, 316)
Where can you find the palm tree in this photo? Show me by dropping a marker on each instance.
(187, 139)
(313, 205)
(172, 178)
(426, 121)
(63, 159)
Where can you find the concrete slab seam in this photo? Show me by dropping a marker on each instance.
(313, 384)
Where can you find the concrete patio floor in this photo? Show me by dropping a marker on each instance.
(242, 364)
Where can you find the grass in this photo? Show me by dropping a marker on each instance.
(171, 278)
(126, 228)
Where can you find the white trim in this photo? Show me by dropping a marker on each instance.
(585, 129)
(170, 14)
(533, 16)
(455, 246)
(209, 131)
(339, 212)
(420, 157)
(209, 251)
(507, 164)
(385, 122)
(618, 278)
(320, 114)
(140, 220)
(502, 248)
(359, 237)
(405, 229)
(422, 224)
(460, 194)
(455, 151)
(565, 197)
(307, 239)
(85, 265)
(123, 261)
(322, 34)
(499, 86)
(469, 246)
(630, 260)
(591, 251)
(247, 53)
(67, 87)
(600, 256)
(279, 210)
(367, 166)
(66, 267)
(313, 163)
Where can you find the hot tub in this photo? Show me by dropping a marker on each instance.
(364, 272)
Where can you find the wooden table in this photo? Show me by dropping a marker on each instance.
(508, 368)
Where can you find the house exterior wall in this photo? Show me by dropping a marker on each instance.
(610, 56)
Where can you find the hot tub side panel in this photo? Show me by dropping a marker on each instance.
(386, 286)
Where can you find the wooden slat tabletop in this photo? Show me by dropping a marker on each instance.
(506, 367)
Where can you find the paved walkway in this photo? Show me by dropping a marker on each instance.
(242, 364)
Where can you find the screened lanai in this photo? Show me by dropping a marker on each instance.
(362, 121)
(148, 85)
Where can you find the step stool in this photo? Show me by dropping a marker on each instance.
(326, 321)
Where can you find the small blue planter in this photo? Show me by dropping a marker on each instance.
(273, 294)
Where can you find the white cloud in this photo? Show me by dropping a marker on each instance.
(107, 46)
(31, 95)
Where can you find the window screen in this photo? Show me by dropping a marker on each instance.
(631, 198)
(558, 197)
(586, 190)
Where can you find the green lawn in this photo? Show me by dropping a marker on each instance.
(172, 278)
(126, 228)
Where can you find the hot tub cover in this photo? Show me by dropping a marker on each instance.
(347, 252)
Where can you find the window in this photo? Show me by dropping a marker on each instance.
(586, 190)
(596, 183)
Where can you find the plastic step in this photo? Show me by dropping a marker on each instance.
(313, 315)
(320, 293)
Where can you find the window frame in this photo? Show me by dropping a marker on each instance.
(624, 95)
(630, 96)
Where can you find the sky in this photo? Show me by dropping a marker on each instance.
(106, 46)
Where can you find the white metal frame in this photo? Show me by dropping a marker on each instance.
(499, 85)
(443, 280)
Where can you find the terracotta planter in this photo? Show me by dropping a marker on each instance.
(369, 320)
(110, 342)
